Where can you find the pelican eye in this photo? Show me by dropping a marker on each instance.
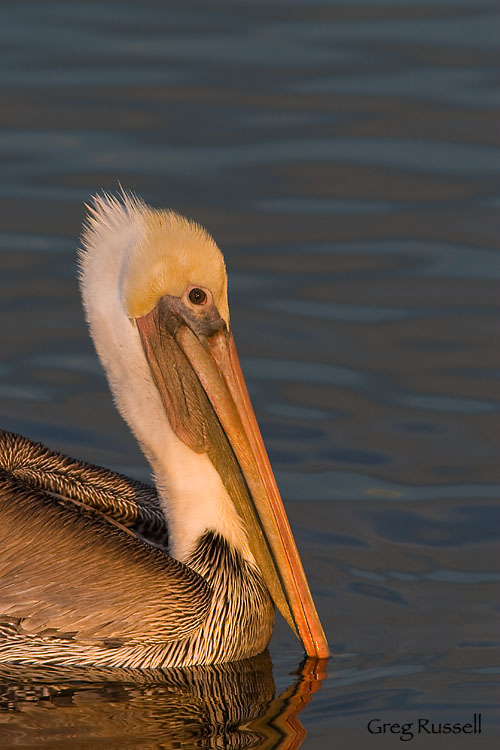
(197, 296)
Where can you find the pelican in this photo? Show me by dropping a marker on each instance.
(80, 584)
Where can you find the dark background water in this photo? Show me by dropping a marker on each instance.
(345, 157)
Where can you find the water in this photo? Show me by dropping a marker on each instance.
(344, 156)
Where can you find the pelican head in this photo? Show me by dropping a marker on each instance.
(154, 287)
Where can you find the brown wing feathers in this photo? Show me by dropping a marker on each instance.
(110, 586)
(128, 501)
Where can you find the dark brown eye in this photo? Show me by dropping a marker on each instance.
(197, 296)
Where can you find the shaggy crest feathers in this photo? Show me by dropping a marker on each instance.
(168, 253)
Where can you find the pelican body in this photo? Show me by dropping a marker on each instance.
(97, 569)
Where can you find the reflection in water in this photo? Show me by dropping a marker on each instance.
(220, 706)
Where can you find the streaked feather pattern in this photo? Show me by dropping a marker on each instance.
(114, 600)
(128, 501)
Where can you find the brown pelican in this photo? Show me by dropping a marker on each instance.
(77, 585)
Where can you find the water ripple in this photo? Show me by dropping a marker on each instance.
(295, 370)
(340, 485)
